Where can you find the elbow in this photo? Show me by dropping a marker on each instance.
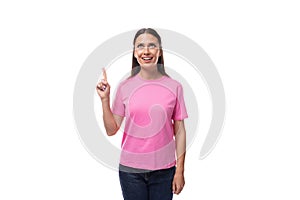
(112, 132)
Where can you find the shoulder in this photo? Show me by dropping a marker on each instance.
(173, 85)
(125, 86)
(172, 82)
(125, 82)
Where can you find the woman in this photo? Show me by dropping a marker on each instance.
(154, 132)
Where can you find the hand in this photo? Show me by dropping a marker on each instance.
(103, 88)
(178, 183)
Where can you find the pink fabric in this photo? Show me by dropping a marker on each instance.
(149, 106)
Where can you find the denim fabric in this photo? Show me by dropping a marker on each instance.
(152, 185)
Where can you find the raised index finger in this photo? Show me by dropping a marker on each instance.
(104, 74)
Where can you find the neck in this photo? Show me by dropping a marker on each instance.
(150, 74)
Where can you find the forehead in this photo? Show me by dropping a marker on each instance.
(146, 38)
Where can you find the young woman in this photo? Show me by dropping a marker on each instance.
(154, 138)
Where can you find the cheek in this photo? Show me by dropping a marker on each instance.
(154, 52)
(136, 54)
(157, 53)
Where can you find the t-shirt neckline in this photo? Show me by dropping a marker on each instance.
(151, 80)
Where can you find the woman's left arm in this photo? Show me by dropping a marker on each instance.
(180, 140)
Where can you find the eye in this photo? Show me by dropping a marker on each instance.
(140, 46)
(152, 46)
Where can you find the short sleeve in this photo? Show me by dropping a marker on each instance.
(118, 106)
(179, 112)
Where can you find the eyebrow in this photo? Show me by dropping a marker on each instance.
(151, 43)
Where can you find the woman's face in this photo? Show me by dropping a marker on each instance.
(146, 50)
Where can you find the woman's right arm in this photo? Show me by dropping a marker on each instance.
(111, 121)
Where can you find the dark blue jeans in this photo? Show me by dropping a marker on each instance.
(152, 185)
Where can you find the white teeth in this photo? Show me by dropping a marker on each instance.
(147, 58)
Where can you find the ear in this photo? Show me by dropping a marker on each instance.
(159, 52)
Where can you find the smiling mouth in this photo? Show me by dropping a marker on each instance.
(147, 58)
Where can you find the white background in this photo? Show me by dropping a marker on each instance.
(254, 44)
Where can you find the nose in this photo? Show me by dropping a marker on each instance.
(146, 50)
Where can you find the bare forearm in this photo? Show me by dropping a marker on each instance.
(110, 124)
(180, 164)
(180, 139)
(180, 152)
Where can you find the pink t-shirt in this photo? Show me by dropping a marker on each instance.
(149, 107)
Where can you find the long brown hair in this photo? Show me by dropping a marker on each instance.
(160, 62)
